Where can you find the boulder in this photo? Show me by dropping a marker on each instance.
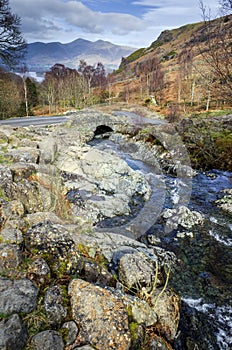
(54, 243)
(17, 296)
(103, 182)
(182, 216)
(102, 316)
(47, 340)
(136, 270)
(13, 333)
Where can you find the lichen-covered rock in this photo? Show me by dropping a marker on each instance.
(17, 296)
(39, 271)
(28, 192)
(104, 182)
(22, 170)
(54, 243)
(10, 257)
(47, 340)
(167, 308)
(25, 155)
(3, 138)
(102, 316)
(159, 343)
(113, 246)
(72, 332)
(95, 273)
(38, 217)
(136, 270)
(11, 235)
(140, 311)
(53, 303)
(13, 333)
(5, 175)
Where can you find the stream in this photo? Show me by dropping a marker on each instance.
(203, 275)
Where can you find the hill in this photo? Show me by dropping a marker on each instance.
(186, 66)
(41, 56)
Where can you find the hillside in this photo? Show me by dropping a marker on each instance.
(190, 65)
(41, 56)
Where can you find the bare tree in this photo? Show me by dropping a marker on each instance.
(226, 5)
(217, 52)
(12, 44)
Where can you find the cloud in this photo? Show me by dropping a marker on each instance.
(134, 22)
(55, 15)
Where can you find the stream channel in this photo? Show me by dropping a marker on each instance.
(203, 275)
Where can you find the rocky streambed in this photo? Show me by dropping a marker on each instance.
(96, 234)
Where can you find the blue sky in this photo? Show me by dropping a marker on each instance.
(134, 23)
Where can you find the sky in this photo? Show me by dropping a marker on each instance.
(135, 23)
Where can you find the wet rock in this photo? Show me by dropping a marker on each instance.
(53, 302)
(17, 296)
(54, 243)
(182, 216)
(10, 258)
(102, 316)
(72, 332)
(47, 340)
(13, 333)
(225, 203)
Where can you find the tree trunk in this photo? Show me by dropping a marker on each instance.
(25, 96)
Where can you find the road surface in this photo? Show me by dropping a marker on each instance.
(36, 121)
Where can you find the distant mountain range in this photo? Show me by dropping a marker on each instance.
(42, 56)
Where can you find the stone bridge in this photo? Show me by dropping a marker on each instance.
(89, 123)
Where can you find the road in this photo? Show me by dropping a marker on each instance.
(36, 121)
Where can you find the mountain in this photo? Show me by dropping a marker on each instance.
(42, 56)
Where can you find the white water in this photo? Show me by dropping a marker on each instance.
(220, 238)
(221, 316)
